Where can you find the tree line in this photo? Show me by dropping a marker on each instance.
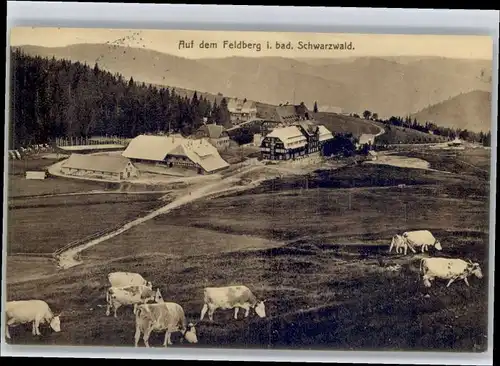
(57, 98)
(429, 127)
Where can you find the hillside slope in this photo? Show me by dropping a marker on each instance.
(470, 111)
(380, 85)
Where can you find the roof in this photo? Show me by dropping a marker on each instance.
(235, 105)
(157, 148)
(212, 130)
(324, 133)
(291, 136)
(290, 113)
(100, 163)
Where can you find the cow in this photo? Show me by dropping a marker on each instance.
(121, 279)
(400, 244)
(423, 239)
(130, 295)
(448, 269)
(168, 317)
(35, 311)
(231, 297)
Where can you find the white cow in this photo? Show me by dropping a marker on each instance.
(168, 317)
(117, 297)
(231, 297)
(121, 279)
(400, 244)
(30, 311)
(423, 239)
(448, 269)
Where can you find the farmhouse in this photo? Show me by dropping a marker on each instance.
(108, 167)
(215, 134)
(241, 110)
(289, 114)
(175, 151)
(296, 141)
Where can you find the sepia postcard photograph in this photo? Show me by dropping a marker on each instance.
(248, 190)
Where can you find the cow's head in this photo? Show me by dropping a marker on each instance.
(158, 297)
(260, 309)
(190, 333)
(475, 269)
(55, 323)
(437, 245)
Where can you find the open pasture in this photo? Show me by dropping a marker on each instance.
(329, 286)
(340, 123)
(43, 225)
(317, 297)
(403, 135)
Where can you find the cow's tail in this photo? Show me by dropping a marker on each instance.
(108, 297)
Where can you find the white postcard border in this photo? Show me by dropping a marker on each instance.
(260, 18)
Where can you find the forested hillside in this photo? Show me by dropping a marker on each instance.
(55, 98)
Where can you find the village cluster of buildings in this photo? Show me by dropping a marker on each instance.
(289, 134)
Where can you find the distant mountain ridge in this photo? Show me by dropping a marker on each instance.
(471, 111)
(386, 86)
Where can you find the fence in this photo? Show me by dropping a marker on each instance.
(77, 243)
(96, 140)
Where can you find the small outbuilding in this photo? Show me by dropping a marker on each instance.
(108, 167)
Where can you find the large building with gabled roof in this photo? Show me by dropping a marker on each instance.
(105, 167)
(175, 151)
(295, 141)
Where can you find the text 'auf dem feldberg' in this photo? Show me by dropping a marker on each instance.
(268, 45)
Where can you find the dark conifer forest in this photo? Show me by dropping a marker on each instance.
(57, 98)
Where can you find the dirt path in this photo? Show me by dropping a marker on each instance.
(67, 259)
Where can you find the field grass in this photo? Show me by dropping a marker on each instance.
(43, 225)
(340, 123)
(401, 135)
(328, 286)
(19, 186)
(474, 162)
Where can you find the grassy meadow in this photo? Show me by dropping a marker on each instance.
(315, 247)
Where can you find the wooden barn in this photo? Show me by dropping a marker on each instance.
(107, 167)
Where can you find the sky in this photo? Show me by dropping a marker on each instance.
(168, 41)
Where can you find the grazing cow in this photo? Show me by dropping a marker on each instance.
(448, 269)
(400, 244)
(168, 317)
(121, 279)
(423, 239)
(35, 311)
(231, 297)
(130, 295)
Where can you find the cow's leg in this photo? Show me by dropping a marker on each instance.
(406, 249)
(145, 337)
(7, 334)
(236, 309)
(33, 328)
(390, 248)
(211, 311)
(450, 281)
(423, 248)
(466, 281)
(115, 308)
(37, 326)
(247, 310)
(137, 335)
(203, 311)
(167, 338)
